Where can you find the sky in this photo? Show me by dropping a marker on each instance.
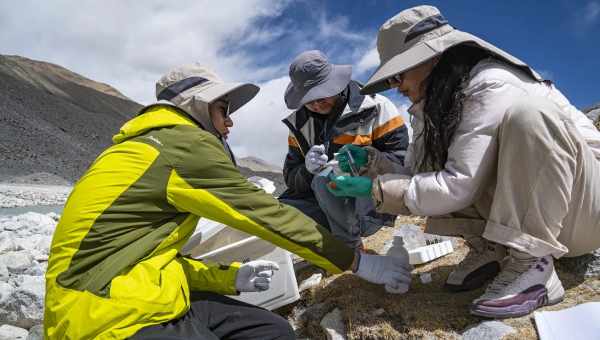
(130, 44)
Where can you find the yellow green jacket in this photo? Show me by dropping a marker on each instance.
(114, 263)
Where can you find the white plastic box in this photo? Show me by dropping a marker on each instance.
(430, 252)
(214, 242)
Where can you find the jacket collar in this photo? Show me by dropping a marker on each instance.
(152, 117)
(357, 103)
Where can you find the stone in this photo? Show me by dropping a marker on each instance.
(6, 290)
(333, 325)
(7, 242)
(36, 333)
(379, 312)
(489, 330)
(312, 281)
(30, 223)
(3, 273)
(35, 269)
(425, 278)
(8, 332)
(28, 242)
(17, 262)
(24, 307)
(587, 266)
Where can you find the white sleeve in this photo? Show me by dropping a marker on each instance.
(472, 154)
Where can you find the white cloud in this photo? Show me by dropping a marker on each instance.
(258, 130)
(368, 61)
(130, 44)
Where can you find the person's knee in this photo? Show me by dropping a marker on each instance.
(318, 183)
(281, 328)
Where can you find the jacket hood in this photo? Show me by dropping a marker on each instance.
(152, 117)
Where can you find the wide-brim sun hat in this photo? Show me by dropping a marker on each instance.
(416, 35)
(195, 80)
(312, 77)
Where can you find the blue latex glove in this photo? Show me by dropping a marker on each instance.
(360, 156)
(349, 186)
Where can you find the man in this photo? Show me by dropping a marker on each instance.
(115, 270)
(330, 112)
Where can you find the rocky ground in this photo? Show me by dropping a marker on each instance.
(357, 309)
(427, 311)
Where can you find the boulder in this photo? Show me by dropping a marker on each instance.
(7, 242)
(489, 330)
(8, 332)
(333, 325)
(586, 266)
(36, 333)
(3, 273)
(24, 307)
(17, 262)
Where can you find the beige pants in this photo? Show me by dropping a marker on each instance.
(545, 197)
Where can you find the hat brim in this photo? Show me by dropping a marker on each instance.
(236, 94)
(335, 83)
(424, 51)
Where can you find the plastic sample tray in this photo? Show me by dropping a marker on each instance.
(429, 253)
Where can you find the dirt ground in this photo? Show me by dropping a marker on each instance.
(426, 311)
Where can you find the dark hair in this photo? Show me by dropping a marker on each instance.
(444, 102)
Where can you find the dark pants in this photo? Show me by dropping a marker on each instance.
(309, 207)
(214, 316)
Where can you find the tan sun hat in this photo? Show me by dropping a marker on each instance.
(416, 35)
(194, 87)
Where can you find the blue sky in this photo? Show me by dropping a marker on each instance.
(130, 44)
(560, 39)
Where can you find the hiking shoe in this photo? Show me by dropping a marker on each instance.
(525, 284)
(482, 263)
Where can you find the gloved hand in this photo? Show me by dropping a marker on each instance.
(315, 159)
(255, 276)
(359, 154)
(350, 186)
(393, 272)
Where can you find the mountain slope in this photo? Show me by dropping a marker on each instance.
(53, 120)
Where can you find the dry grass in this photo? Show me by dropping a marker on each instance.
(427, 311)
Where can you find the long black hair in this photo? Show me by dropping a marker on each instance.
(444, 102)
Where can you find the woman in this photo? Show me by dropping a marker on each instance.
(499, 157)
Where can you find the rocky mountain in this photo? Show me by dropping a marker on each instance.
(53, 120)
(257, 164)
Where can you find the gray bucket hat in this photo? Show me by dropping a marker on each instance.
(194, 87)
(313, 77)
(416, 35)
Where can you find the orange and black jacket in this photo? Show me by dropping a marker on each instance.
(365, 120)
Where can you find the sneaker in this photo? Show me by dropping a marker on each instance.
(525, 284)
(482, 263)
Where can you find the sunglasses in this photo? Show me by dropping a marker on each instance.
(226, 106)
(396, 79)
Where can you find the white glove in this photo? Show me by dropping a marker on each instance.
(255, 276)
(393, 272)
(315, 159)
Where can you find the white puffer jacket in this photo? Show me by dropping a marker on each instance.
(492, 88)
